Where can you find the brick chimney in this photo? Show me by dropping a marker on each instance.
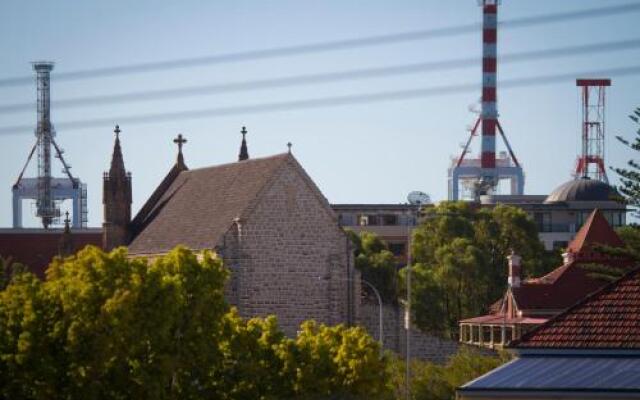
(515, 269)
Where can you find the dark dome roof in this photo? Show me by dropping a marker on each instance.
(583, 189)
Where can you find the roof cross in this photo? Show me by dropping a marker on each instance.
(117, 131)
(180, 140)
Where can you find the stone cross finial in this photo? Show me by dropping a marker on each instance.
(180, 140)
(117, 131)
(289, 147)
(243, 131)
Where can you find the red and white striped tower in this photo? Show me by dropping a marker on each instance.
(590, 163)
(489, 112)
(480, 176)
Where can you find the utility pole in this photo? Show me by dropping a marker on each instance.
(407, 318)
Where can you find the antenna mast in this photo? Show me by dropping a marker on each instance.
(46, 190)
(590, 163)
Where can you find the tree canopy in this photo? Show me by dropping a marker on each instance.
(460, 254)
(630, 176)
(376, 263)
(106, 326)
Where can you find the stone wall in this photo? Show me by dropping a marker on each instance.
(423, 346)
(290, 258)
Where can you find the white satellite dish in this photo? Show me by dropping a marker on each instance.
(418, 198)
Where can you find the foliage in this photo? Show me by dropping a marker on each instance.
(376, 263)
(460, 253)
(603, 272)
(630, 176)
(8, 269)
(337, 362)
(432, 381)
(106, 326)
(630, 235)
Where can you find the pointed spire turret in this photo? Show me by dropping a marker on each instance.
(180, 140)
(66, 241)
(244, 152)
(116, 198)
(117, 162)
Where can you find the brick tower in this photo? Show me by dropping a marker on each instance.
(116, 198)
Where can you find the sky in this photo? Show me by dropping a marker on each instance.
(374, 152)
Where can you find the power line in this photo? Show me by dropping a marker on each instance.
(285, 51)
(323, 102)
(306, 79)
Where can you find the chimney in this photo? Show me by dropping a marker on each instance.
(515, 270)
(568, 256)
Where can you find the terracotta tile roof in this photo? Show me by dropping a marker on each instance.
(571, 282)
(199, 205)
(607, 319)
(567, 284)
(35, 248)
(596, 230)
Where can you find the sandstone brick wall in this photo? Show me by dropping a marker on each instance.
(423, 346)
(290, 258)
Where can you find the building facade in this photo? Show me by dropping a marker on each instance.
(532, 302)
(269, 222)
(391, 222)
(561, 214)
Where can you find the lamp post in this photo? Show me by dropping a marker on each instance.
(380, 310)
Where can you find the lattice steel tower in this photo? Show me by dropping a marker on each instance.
(590, 163)
(46, 190)
(482, 175)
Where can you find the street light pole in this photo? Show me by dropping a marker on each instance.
(380, 322)
(380, 309)
(408, 312)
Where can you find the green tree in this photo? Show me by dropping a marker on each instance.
(337, 362)
(432, 381)
(106, 326)
(630, 176)
(255, 355)
(460, 253)
(115, 327)
(376, 263)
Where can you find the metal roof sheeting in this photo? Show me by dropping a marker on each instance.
(561, 373)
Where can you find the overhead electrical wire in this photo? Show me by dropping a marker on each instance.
(306, 79)
(332, 101)
(320, 47)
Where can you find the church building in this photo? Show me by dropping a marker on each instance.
(265, 217)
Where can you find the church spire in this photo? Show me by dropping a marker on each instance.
(244, 152)
(116, 198)
(117, 162)
(180, 140)
(66, 241)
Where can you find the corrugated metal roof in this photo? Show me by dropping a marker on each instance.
(562, 373)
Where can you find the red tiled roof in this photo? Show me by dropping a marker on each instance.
(596, 230)
(35, 248)
(608, 319)
(567, 284)
(571, 283)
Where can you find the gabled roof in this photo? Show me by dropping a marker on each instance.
(596, 230)
(36, 247)
(607, 319)
(567, 284)
(199, 205)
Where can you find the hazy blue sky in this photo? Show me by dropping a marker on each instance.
(376, 152)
